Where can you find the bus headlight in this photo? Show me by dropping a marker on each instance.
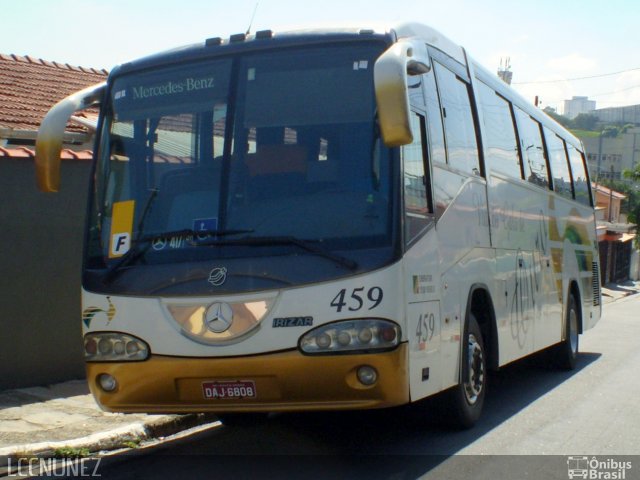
(361, 335)
(114, 347)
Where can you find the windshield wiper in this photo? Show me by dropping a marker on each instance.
(307, 245)
(147, 240)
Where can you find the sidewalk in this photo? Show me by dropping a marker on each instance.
(612, 292)
(45, 421)
(38, 421)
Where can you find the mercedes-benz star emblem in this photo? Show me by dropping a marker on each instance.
(218, 317)
(159, 244)
(218, 276)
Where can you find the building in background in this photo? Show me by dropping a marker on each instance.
(29, 87)
(577, 105)
(619, 115)
(615, 236)
(608, 157)
(41, 235)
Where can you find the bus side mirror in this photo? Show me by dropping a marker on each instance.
(404, 58)
(51, 134)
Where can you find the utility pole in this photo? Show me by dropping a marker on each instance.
(599, 164)
(611, 197)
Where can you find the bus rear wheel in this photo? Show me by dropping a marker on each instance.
(565, 354)
(468, 396)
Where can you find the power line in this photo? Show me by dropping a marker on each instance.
(577, 78)
(613, 93)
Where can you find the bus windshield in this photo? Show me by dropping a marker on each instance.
(259, 156)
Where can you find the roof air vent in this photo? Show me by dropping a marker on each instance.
(264, 34)
(238, 37)
(213, 42)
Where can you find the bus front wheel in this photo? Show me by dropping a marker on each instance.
(468, 396)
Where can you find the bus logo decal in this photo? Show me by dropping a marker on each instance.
(218, 317)
(90, 312)
(218, 276)
(292, 322)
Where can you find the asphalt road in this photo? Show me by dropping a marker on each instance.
(531, 410)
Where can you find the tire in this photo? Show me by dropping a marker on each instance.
(565, 354)
(467, 398)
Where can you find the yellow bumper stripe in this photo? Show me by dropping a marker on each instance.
(286, 381)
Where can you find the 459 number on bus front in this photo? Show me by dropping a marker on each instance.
(357, 299)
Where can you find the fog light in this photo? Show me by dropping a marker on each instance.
(107, 382)
(367, 375)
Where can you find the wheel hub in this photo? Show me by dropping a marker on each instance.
(474, 382)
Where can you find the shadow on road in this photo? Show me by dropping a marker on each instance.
(395, 443)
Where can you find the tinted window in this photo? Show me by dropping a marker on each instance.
(434, 120)
(580, 179)
(559, 164)
(300, 160)
(500, 144)
(535, 165)
(460, 134)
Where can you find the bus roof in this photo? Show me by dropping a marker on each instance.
(265, 39)
(261, 40)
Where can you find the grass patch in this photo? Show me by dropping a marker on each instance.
(71, 452)
(585, 133)
(132, 443)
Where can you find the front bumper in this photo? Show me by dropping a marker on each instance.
(285, 381)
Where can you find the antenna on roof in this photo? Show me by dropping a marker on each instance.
(252, 17)
(504, 72)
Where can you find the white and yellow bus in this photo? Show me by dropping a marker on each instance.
(324, 220)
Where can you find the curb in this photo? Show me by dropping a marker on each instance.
(110, 440)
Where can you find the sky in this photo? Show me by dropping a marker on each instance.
(551, 44)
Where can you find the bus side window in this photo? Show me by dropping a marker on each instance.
(437, 150)
(534, 162)
(501, 147)
(579, 175)
(417, 210)
(459, 127)
(559, 164)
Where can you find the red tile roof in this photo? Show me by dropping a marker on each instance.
(29, 154)
(30, 86)
(607, 191)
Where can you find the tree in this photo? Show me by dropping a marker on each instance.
(584, 121)
(632, 174)
(561, 119)
(610, 131)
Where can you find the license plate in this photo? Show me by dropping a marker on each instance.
(229, 390)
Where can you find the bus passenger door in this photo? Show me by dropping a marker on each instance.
(420, 259)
